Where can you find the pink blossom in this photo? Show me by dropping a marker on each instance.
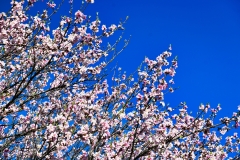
(112, 27)
(90, 1)
(51, 5)
(79, 17)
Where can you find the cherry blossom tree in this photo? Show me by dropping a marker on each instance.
(59, 99)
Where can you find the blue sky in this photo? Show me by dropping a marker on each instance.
(204, 35)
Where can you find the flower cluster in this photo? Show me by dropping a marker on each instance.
(56, 101)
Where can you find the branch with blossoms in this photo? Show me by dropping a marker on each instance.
(57, 100)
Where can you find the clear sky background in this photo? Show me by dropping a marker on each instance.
(205, 35)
